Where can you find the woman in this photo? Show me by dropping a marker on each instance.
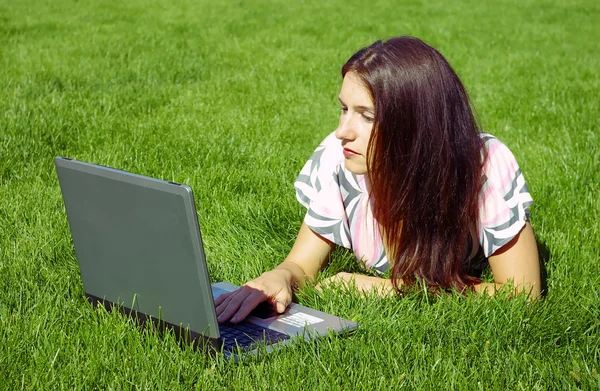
(406, 181)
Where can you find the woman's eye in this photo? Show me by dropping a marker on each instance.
(344, 110)
(368, 118)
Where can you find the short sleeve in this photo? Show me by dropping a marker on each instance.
(318, 189)
(504, 200)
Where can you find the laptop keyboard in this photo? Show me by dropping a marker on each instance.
(245, 335)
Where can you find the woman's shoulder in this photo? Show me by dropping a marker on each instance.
(504, 201)
(491, 142)
(329, 150)
(319, 170)
(500, 162)
(326, 159)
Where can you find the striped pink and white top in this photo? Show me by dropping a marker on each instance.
(339, 209)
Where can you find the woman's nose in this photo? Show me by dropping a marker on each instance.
(345, 130)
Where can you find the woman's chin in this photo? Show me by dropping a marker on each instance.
(355, 167)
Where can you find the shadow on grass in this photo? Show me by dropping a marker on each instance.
(544, 258)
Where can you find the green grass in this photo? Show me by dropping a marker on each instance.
(231, 98)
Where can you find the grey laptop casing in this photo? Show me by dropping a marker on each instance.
(138, 244)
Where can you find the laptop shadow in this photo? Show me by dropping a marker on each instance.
(184, 336)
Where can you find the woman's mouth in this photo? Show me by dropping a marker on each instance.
(349, 153)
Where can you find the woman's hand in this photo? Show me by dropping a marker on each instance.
(360, 282)
(274, 286)
(306, 258)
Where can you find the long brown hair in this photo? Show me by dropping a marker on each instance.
(424, 161)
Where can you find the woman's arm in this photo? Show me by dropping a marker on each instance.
(306, 258)
(516, 262)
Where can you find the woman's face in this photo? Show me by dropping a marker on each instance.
(356, 123)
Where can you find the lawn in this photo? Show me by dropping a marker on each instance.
(231, 98)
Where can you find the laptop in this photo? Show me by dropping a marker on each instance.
(139, 249)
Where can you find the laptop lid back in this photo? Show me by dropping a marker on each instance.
(138, 243)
